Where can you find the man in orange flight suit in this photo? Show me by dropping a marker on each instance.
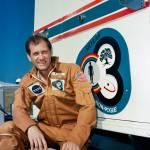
(63, 95)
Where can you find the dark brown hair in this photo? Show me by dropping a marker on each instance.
(36, 38)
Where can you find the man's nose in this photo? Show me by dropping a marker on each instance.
(41, 56)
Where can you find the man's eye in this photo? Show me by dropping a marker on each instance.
(35, 54)
(45, 52)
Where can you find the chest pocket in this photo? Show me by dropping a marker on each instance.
(57, 93)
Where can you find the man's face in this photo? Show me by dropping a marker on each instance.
(40, 55)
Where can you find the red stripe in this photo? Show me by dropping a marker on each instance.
(147, 3)
(97, 90)
(93, 24)
(69, 15)
(98, 22)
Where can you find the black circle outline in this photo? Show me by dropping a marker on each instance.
(113, 70)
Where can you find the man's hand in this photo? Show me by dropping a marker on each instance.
(36, 139)
(70, 146)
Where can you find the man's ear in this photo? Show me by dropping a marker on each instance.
(29, 58)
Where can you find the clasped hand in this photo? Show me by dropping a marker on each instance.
(38, 142)
(36, 139)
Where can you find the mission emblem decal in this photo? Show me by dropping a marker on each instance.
(105, 62)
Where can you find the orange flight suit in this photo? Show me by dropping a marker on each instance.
(67, 107)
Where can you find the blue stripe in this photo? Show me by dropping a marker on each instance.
(92, 14)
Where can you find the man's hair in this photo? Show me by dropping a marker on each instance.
(35, 39)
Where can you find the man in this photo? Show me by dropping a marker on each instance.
(63, 95)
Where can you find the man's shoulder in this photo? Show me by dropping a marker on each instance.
(26, 79)
(70, 68)
(26, 76)
(69, 65)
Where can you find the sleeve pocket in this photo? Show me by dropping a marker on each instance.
(84, 97)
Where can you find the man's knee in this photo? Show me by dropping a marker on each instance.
(7, 127)
(8, 141)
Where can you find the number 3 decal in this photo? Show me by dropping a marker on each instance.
(105, 62)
